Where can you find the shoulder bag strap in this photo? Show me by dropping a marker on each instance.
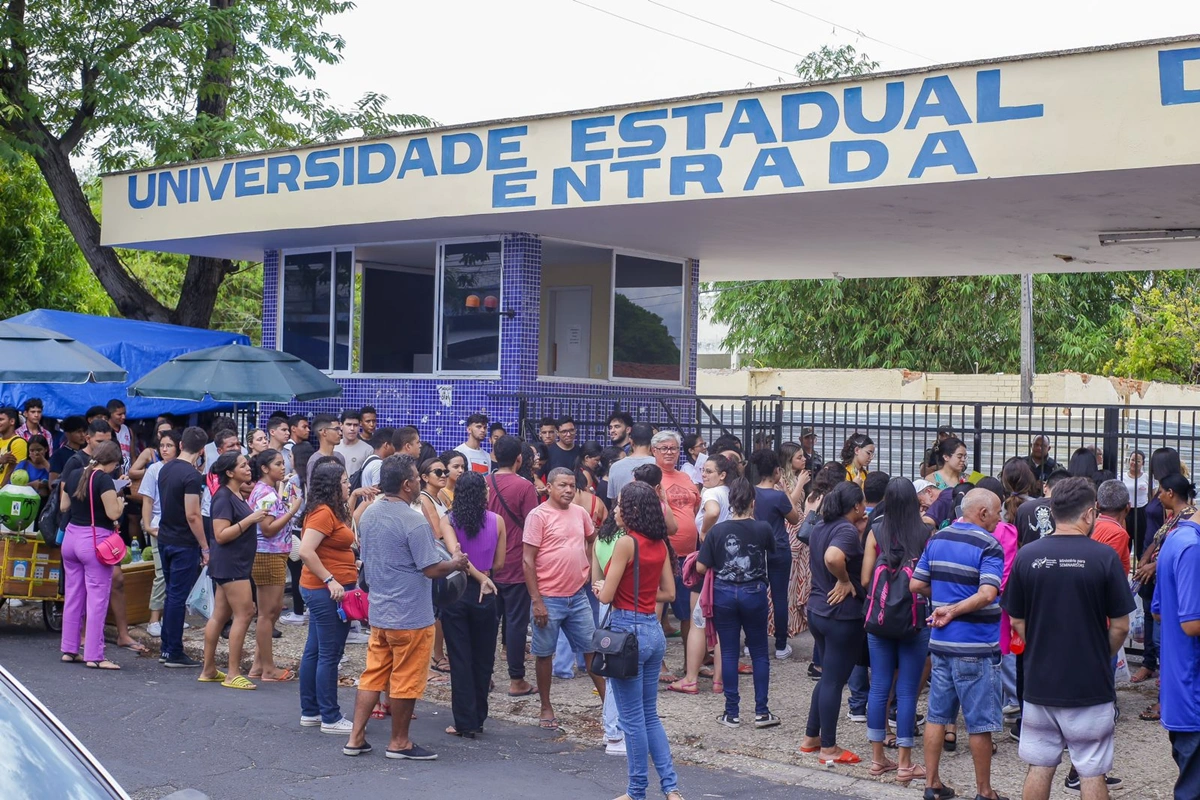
(92, 506)
(503, 504)
(637, 575)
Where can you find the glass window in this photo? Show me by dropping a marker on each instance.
(344, 280)
(648, 321)
(306, 308)
(397, 320)
(470, 307)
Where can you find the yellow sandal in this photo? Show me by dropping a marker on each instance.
(220, 678)
(238, 682)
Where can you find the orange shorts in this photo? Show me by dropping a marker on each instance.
(398, 662)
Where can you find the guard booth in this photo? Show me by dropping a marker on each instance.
(441, 272)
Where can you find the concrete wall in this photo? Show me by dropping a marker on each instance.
(895, 384)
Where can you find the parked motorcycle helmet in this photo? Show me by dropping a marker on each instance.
(448, 590)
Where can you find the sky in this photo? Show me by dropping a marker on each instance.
(461, 61)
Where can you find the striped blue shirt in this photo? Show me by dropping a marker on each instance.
(958, 560)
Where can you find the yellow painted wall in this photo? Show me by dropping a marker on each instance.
(599, 278)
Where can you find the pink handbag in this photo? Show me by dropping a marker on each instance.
(111, 551)
(357, 605)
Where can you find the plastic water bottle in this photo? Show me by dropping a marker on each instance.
(135, 551)
(342, 613)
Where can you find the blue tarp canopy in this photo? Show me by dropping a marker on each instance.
(137, 346)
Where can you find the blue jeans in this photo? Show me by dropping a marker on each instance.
(906, 658)
(971, 683)
(741, 607)
(322, 652)
(637, 706)
(860, 688)
(779, 575)
(1185, 749)
(1008, 679)
(571, 615)
(180, 566)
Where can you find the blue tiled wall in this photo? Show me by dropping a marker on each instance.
(405, 401)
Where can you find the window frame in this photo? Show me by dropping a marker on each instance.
(439, 286)
(332, 327)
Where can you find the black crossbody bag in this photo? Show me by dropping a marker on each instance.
(615, 653)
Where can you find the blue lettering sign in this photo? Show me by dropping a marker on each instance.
(369, 174)
(655, 136)
(948, 104)
(348, 166)
(246, 177)
(176, 185)
(507, 189)
(893, 110)
(587, 190)
(499, 146)
(194, 185)
(988, 107)
(774, 162)
(276, 175)
(132, 192)
(1171, 84)
(635, 186)
(707, 173)
(418, 155)
(582, 135)
(697, 122)
(322, 169)
(954, 154)
(749, 117)
(217, 191)
(839, 161)
(450, 142)
(793, 131)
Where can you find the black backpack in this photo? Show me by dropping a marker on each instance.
(49, 517)
(893, 610)
(356, 478)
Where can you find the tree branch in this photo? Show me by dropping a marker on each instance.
(73, 135)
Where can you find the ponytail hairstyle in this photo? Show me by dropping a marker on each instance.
(853, 443)
(741, 496)
(840, 501)
(946, 449)
(723, 465)
(224, 463)
(1019, 483)
(1180, 486)
(105, 453)
(260, 462)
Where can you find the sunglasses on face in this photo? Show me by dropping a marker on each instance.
(441, 473)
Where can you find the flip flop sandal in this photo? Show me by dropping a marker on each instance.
(890, 743)
(878, 769)
(286, 677)
(907, 774)
(71, 658)
(134, 647)
(1149, 674)
(220, 678)
(718, 687)
(240, 682)
(381, 711)
(549, 724)
(531, 690)
(844, 757)
(441, 665)
(106, 664)
(705, 672)
(1150, 715)
(683, 687)
(667, 677)
(745, 669)
(949, 744)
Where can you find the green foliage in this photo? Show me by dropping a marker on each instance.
(834, 62)
(1158, 338)
(40, 264)
(643, 336)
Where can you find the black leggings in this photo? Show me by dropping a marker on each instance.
(294, 568)
(841, 643)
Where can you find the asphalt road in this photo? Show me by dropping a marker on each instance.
(158, 730)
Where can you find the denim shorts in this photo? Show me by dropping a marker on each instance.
(971, 683)
(681, 606)
(573, 616)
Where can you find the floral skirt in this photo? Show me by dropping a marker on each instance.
(799, 587)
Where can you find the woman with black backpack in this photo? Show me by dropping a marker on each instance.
(895, 619)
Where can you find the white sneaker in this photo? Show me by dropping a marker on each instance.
(859, 718)
(309, 722)
(15, 603)
(154, 629)
(1011, 711)
(187, 625)
(357, 637)
(616, 748)
(292, 618)
(340, 728)
(784, 654)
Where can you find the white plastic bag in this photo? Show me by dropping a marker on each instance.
(1122, 674)
(200, 599)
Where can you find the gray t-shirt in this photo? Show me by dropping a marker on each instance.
(370, 471)
(621, 473)
(353, 455)
(397, 544)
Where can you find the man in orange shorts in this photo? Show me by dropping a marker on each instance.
(399, 563)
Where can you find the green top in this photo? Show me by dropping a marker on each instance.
(604, 550)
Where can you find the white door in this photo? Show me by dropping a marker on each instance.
(570, 331)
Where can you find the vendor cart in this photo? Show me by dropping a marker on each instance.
(31, 570)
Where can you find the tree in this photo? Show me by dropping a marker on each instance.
(40, 264)
(1088, 322)
(644, 336)
(164, 81)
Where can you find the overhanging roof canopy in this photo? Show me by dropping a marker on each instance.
(1007, 166)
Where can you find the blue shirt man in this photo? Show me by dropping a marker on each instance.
(1177, 605)
(960, 571)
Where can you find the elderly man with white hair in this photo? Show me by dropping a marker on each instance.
(960, 571)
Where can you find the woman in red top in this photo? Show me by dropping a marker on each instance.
(325, 549)
(633, 612)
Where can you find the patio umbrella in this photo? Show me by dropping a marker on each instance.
(236, 373)
(37, 355)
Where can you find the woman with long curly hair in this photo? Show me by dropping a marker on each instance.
(632, 594)
(469, 626)
(329, 571)
(857, 454)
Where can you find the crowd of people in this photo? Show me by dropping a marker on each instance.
(1007, 597)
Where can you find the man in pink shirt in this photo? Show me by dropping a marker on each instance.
(556, 566)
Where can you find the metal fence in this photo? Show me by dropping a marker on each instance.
(902, 430)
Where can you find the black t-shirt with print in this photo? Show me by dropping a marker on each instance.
(1066, 588)
(1034, 520)
(737, 550)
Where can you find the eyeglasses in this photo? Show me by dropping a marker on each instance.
(441, 473)
(667, 449)
(566, 430)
